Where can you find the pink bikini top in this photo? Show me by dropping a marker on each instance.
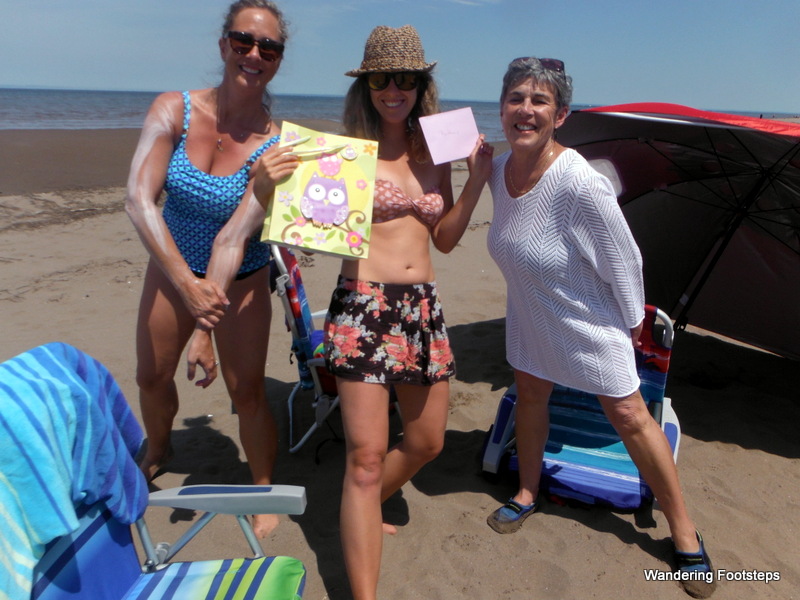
(391, 202)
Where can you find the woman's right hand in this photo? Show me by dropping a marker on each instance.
(276, 164)
(205, 300)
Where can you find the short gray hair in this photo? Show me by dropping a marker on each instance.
(521, 69)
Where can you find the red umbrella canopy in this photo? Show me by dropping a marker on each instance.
(713, 200)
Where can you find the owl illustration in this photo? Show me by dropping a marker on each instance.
(330, 164)
(325, 201)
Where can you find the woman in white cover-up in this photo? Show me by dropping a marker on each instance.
(575, 298)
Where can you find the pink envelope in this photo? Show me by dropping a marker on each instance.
(450, 135)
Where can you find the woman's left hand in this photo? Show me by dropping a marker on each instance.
(635, 333)
(201, 352)
(479, 161)
(276, 164)
(205, 300)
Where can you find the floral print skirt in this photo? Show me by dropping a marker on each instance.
(387, 333)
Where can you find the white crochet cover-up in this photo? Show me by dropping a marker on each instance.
(574, 278)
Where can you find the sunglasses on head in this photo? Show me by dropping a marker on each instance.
(405, 80)
(242, 43)
(551, 64)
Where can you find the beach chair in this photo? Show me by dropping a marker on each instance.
(585, 459)
(70, 492)
(307, 346)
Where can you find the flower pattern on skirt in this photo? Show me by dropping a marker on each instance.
(387, 333)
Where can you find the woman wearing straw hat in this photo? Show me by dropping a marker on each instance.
(385, 326)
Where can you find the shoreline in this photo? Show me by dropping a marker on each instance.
(45, 160)
(34, 161)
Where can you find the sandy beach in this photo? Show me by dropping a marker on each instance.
(71, 270)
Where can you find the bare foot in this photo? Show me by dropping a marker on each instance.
(150, 469)
(263, 525)
(153, 466)
(389, 529)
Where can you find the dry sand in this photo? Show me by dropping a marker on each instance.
(72, 269)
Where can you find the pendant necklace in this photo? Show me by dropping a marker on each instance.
(243, 135)
(518, 192)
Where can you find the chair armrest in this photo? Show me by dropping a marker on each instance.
(234, 499)
(672, 427)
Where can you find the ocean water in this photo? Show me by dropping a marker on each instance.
(76, 109)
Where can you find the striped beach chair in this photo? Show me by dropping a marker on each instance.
(585, 460)
(70, 493)
(307, 347)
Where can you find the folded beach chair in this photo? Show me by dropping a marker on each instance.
(585, 459)
(70, 492)
(307, 346)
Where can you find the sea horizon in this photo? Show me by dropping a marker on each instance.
(56, 108)
(59, 108)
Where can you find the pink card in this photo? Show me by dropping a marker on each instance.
(450, 135)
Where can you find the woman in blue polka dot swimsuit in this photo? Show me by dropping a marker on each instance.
(208, 272)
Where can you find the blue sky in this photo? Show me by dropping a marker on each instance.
(711, 54)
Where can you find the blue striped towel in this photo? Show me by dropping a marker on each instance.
(67, 436)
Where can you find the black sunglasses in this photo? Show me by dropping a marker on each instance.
(551, 64)
(242, 43)
(405, 80)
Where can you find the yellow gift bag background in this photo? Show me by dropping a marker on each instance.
(326, 205)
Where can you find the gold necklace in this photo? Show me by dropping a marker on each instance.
(510, 176)
(219, 117)
(243, 135)
(235, 138)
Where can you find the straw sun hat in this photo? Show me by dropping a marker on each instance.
(390, 50)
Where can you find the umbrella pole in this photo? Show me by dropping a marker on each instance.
(739, 216)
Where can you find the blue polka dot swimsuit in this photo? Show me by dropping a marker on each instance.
(198, 205)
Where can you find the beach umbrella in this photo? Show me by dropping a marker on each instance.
(713, 201)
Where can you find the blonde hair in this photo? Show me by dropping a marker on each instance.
(237, 7)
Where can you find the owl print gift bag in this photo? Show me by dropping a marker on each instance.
(326, 205)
